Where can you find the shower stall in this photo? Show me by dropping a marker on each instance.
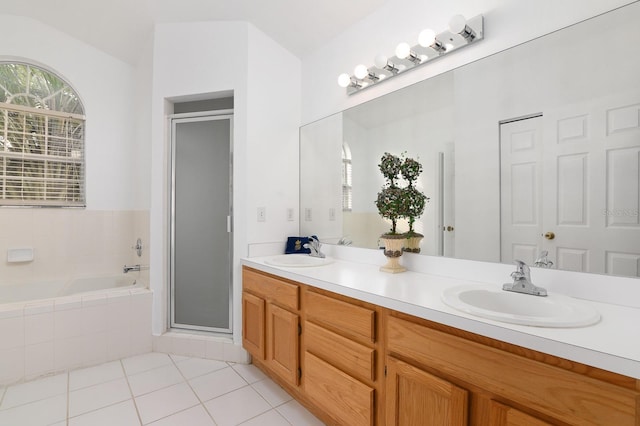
(200, 221)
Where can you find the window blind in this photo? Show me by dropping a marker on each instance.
(41, 157)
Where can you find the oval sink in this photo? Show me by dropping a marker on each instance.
(297, 261)
(554, 310)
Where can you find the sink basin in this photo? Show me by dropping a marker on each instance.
(555, 310)
(297, 261)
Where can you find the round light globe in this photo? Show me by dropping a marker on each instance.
(457, 24)
(403, 50)
(344, 80)
(380, 61)
(361, 71)
(426, 38)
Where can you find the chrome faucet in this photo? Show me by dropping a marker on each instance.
(314, 245)
(134, 268)
(344, 241)
(542, 261)
(522, 281)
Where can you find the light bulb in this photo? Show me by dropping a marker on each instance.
(361, 71)
(457, 24)
(344, 80)
(403, 50)
(380, 61)
(426, 38)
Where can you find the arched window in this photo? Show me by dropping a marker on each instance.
(41, 139)
(347, 189)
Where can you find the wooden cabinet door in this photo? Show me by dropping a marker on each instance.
(283, 347)
(415, 397)
(503, 415)
(253, 325)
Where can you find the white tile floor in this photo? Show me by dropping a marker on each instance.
(153, 389)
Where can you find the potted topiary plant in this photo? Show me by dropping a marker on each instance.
(389, 204)
(413, 202)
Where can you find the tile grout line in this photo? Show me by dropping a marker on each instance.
(265, 399)
(201, 403)
(133, 399)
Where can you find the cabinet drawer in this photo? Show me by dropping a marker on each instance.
(272, 289)
(349, 356)
(347, 400)
(553, 391)
(351, 319)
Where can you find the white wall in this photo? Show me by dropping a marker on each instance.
(207, 57)
(507, 23)
(106, 86)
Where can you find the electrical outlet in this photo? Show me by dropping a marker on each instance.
(290, 214)
(332, 214)
(307, 214)
(262, 214)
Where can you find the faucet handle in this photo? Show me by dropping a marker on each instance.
(516, 275)
(520, 265)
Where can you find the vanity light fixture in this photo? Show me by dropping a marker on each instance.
(345, 80)
(458, 25)
(461, 33)
(383, 63)
(403, 51)
(427, 38)
(361, 72)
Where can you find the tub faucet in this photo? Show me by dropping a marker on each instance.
(134, 268)
(314, 245)
(522, 281)
(344, 241)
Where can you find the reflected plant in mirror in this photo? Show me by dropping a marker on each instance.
(413, 202)
(390, 204)
(390, 198)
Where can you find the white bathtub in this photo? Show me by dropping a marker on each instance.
(51, 289)
(51, 327)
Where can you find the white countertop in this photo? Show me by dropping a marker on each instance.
(612, 344)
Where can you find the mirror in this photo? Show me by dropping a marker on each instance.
(541, 139)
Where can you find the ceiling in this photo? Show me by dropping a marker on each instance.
(121, 27)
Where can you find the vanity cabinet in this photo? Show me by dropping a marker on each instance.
(320, 346)
(452, 377)
(271, 323)
(340, 347)
(357, 364)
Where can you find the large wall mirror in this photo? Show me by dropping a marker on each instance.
(533, 149)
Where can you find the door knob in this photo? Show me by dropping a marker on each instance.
(549, 235)
(447, 228)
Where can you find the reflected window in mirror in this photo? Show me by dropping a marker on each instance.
(347, 189)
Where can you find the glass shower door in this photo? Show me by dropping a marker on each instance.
(200, 223)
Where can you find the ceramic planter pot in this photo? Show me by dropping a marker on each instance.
(393, 248)
(412, 242)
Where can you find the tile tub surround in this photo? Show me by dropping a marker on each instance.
(71, 243)
(48, 336)
(155, 389)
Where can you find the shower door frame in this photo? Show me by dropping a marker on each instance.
(174, 119)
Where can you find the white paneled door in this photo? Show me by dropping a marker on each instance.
(570, 184)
